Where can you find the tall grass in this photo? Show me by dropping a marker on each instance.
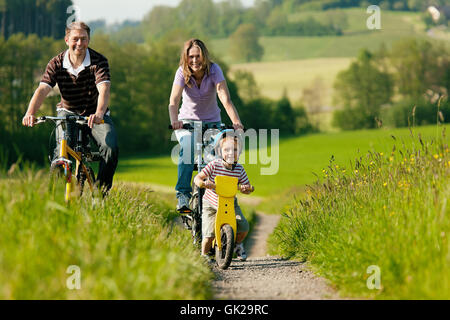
(126, 246)
(384, 209)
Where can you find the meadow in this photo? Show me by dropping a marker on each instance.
(385, 217)
(126, 246)
(291, 64)
(310, 154)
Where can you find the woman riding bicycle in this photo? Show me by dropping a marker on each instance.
(199, 81)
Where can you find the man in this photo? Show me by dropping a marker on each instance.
(82, 75)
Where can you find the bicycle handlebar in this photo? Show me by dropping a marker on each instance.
(188, 126)
(78, 119)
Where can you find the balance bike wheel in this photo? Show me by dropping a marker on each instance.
(224, 256)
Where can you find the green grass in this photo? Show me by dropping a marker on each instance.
(387, 209)
(394, 26)
(300, 159)
(127, 247)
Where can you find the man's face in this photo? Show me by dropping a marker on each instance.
(77, 41)
(230, 150)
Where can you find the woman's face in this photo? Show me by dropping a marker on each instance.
(195, 60)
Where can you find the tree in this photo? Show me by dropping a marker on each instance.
(361, 90)
(312, 98)
(420, 66)
(248, 89)
(244, 44)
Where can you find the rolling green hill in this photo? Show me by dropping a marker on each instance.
(300, 159)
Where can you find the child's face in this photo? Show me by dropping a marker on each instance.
(230, 150)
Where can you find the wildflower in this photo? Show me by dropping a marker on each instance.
(436, 156)
(385, 184)
(391, 159)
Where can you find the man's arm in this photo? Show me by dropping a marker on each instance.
(35, 103)
(102, 103)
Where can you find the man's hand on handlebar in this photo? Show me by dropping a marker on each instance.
(28, 120)
(237, 126)
(94, 118)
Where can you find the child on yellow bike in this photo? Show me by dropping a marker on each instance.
(228, 147)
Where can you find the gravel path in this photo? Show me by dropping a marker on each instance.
(265, 277)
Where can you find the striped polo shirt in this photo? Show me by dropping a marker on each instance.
(216, 168)
(78, 87)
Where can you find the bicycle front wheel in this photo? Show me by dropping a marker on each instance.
(224, 256)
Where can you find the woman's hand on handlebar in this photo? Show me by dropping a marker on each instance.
(177, 125)
(237, 126)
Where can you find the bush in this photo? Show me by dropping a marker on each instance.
(411, 112)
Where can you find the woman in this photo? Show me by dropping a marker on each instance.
(199, 81)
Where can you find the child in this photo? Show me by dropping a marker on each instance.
(226, 165)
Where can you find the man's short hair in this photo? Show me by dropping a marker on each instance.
(78, 25)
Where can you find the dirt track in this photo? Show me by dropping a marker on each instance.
(268, 277)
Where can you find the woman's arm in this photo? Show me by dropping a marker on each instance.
(224, 96)
(174, 102)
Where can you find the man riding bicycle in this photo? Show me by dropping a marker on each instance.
(83, 79)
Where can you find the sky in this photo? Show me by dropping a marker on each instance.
(118, 10)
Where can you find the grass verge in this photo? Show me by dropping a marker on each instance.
(126, 247)
(387, 211)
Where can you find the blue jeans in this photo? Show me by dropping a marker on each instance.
(186, 161)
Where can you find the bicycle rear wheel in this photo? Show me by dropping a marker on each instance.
(196, 223)
(224, 256)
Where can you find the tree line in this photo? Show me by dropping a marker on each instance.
(141, 80)
(404, 85)
(44, 18)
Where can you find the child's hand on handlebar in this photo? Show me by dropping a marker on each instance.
(209, 184)
(246, 188)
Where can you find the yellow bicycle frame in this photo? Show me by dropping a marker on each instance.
(226, 189)
(63, 153)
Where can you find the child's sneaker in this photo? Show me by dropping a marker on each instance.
(209, 260)
(240, 252)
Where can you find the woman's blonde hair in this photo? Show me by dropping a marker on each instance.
(206, 61)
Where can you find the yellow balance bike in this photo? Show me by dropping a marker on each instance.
(225, 226)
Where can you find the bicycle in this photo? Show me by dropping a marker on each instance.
(203, 154)
(81, 153)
